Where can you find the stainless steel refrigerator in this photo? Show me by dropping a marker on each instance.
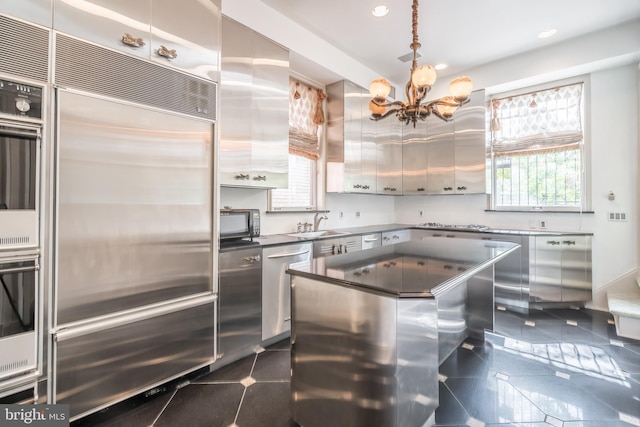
(134, 297)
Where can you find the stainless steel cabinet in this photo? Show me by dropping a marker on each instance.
(276, 285)
(351, 139)
(440, 156)
(456, 150)
(254, 124)
(470, 157)
(37, 11)
(389, 157)
(337, 245)
(414, 159)
(184, 36)
(396, 236)
(561, 269)
(240, 289)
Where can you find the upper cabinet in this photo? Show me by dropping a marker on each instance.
(254, 109)
(37, 11)
(351, 140)
(389, 159)
(183, 35)
(440, 156)
(456, 150)
(414, 158)
(470, 143)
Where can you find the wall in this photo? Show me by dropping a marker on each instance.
(373, 210)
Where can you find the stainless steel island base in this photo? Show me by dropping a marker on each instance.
(370, 329)
(362, 359)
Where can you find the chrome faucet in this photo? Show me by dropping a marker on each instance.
(316, 220)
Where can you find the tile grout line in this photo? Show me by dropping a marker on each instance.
(244, 392)
(155, 420)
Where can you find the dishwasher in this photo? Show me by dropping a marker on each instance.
(240, 299)
(276, 286)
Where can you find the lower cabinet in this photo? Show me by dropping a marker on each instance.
(276, 287)
(561, 268)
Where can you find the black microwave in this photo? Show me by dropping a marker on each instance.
(239, 223)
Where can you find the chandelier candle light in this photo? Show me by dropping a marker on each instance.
(422, 79)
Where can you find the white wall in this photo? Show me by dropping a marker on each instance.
(373, 210)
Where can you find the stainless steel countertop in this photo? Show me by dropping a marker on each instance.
(281, 239)
(409, 269)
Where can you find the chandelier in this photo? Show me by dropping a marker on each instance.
(422, 79)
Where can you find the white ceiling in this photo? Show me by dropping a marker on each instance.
(461, 33)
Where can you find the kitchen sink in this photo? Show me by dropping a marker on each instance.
(313, 234)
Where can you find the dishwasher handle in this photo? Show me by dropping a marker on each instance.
(287, 254)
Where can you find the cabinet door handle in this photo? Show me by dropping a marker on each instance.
(260, 178)
(129, 40)
(242, 176)
(167, 53)
(462, 188)
(448, 188)
(287, 319)
(420, 189)
(365, 187)
(553, 242)
(287, 254)
(569, 242)
(437, 235)
(451, 236)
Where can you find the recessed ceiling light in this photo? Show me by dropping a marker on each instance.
(547, 33)
(440, 66)
(380, 11)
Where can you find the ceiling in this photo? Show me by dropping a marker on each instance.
(461, 33)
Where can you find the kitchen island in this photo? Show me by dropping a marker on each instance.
(370, 328)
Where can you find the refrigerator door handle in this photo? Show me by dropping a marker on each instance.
(66, 332)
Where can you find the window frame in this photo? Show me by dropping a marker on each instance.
(585, 149)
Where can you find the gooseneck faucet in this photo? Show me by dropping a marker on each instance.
(316, 220)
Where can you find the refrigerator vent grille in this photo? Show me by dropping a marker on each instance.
(99, 70)
(17, 240)
(24, 49)
(12, 366)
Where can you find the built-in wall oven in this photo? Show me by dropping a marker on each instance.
(20, 136)
(18, 316)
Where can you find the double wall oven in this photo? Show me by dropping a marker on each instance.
(21, 122)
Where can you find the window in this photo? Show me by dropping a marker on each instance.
(537, 150)
(306, 118)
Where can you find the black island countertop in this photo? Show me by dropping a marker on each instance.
(414, 269)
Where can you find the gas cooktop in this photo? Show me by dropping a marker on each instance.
(469, 227)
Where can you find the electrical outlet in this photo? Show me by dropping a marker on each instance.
(357, 214)
(617, 216)
(341, 215)
(542, 223)
(420, 213)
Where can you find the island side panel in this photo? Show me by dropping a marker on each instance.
(481, 303)
(360, 358)
(417, 361)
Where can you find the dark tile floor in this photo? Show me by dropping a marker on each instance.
(562, 368)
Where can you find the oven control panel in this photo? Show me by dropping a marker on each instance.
(19, 99)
